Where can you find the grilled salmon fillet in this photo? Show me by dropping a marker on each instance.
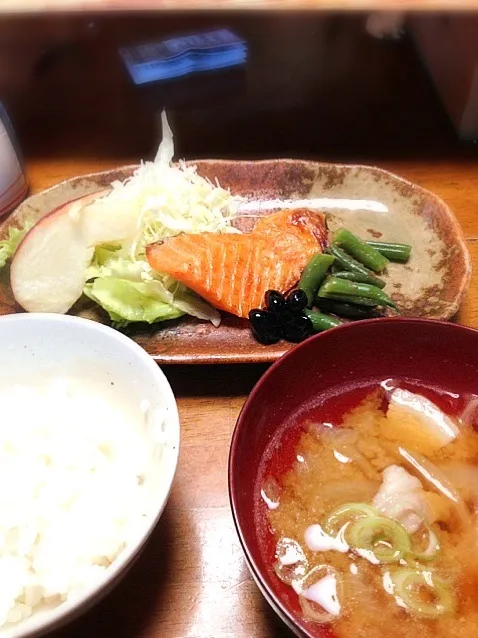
(231, 271)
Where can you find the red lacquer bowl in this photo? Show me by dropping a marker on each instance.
(428, 352)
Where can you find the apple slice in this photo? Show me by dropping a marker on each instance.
(49, 267)
(107, 220)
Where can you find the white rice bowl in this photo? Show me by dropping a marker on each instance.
(94, 420)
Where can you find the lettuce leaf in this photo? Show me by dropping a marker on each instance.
(190, 303)
(128, 301)
(9, 245)
(159, 297)
(108, 262)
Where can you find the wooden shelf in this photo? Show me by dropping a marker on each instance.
(75, 6)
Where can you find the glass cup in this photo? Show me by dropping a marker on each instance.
(13, 181)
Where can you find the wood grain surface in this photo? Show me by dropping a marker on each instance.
(191, 580)
(18, 6)
(328, 92)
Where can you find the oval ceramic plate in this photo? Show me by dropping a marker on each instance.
(369, 201)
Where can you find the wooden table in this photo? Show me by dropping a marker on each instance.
(192, 580)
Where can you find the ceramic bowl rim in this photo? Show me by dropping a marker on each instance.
(275, 601)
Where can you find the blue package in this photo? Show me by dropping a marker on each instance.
(177, 57)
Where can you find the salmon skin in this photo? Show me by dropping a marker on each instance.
(232, 271)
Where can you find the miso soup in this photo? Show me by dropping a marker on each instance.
(369, 514)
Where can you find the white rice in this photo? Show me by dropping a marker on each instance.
(72, 467)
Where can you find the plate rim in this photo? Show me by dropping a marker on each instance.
(266, 357)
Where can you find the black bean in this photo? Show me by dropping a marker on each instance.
(275, 301)
(289, 315)
(265, 326)
(297, 299)
(298, 329)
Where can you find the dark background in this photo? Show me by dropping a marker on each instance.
(315, 85)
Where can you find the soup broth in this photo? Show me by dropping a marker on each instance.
(369, 514)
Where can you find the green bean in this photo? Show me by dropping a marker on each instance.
(393, 252)
(320, 321)
(361, 279)
(349, 263)
(365, 254)
(313, 275)
(350, 299)
(339, 288)
(348, 310)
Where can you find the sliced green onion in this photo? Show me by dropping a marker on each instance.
(431, 550)
(291, 564)
(346, 513)
(413, 590)
(383, 539)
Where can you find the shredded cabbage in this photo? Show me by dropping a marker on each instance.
(160, 200)
(169, 199)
